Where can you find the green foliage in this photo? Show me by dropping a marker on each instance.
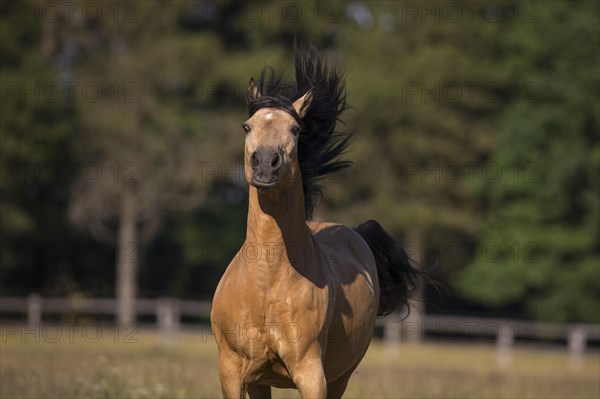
(173, 76)
(544, 215)
(37, 124)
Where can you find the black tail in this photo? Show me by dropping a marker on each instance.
(398, 279)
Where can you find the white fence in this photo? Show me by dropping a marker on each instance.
(169, 311)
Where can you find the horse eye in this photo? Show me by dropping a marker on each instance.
(295, 130)
(246, 127)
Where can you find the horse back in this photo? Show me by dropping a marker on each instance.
(346, 250)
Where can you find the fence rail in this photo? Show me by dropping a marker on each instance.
(169, 311)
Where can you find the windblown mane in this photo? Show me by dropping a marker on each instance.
(320, 146)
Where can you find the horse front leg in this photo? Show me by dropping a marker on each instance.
(309, 377)
(230, 374)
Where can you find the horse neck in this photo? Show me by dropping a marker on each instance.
(278, 230)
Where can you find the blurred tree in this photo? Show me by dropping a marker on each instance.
(424, 126)
(155, 133)
(37, 122)
(439, 103)
(139, 134)
(542, 241)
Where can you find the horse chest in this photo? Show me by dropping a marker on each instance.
(269, 318)
(277, 320)
(281, 327)
(283, 316)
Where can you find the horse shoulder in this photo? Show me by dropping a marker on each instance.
(234, 285)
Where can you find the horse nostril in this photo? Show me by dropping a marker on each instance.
(275, 162)
(254, 160)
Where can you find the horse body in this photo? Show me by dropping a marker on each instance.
(296, 307)
(294, 298)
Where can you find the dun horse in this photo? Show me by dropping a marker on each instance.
(296, 307)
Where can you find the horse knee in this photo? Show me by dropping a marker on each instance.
(310, 380)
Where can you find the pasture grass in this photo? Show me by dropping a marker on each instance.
(144, 366)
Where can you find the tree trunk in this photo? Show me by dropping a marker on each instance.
(127, 260)
(413, 324)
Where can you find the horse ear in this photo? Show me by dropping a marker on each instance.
(301, 105)
(252, 93)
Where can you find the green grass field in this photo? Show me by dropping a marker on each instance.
(143, 366)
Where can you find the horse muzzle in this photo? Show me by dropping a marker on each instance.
(267, 166)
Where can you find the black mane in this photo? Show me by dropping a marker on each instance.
(319, 145)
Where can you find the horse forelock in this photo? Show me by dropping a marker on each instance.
(277, 102)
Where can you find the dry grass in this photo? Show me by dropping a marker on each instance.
(75, 367)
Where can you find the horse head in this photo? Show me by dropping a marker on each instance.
(272, 132)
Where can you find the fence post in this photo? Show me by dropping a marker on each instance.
(413, 328)
(576, 341)
(504, 343)
(167, 316)
(34, 311)
(392, 334)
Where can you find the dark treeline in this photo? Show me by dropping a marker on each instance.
(476, 142)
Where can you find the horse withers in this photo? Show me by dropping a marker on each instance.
(296, 307)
